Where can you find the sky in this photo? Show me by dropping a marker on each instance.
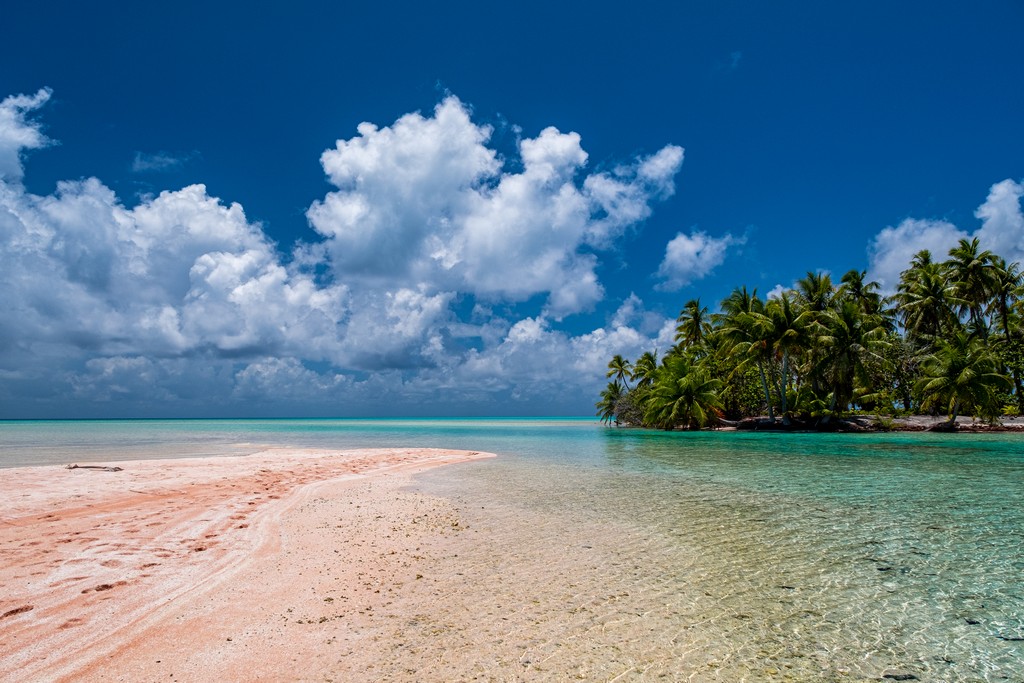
(336, 209)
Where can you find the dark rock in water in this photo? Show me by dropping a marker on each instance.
(763, 424)
(971, 622)
(855, 426)
(795, 424)
(900, 677)
(756, 424)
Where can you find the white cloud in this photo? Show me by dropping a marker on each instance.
(891, 250)
(401, 329)
(624, 196)
(17, 133)
(692, 257)
(426, 201)
(397, 186)
(181, 304)
(1001, 231)
(286, 379)
(512, 366)
(107, 379)
(631, 313)
(1002, 228)
(179, 274)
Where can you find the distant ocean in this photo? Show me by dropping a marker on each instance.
(732, 556)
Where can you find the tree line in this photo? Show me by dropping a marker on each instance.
(949, 341)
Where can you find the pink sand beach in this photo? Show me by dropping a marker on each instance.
(262, 567)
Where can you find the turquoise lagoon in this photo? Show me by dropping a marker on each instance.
(598, 552)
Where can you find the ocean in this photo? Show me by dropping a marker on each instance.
(598, 552)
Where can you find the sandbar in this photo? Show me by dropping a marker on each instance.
(257, 567)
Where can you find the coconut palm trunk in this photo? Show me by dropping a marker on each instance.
(767, 392)
(954, 413)
(783, 387)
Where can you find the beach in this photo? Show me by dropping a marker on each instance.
(580, 553)
(263, 567)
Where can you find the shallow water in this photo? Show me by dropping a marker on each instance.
(599, 553)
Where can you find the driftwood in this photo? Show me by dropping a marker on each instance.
(105, 468)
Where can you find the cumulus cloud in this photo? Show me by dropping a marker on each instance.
(511, 366)
(1002, 228)
(178, 274)
(425, 200)
(182, 304)
(1001, 231)
(105, 303)
(632, 314)
(276, 379)
(892, 249)
(691, 257)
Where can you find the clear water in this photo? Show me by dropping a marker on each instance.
(677, 556)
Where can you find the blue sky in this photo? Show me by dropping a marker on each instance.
(194, 222)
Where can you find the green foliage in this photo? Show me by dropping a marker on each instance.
(644, 368)
(741, 393)
(949, 340)
(961, 376)
(693, 324)
(620, 369)
(607, 407)
(884, 424)
(632, 405)
(683, 395)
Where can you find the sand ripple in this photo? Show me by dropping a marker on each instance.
(168, 567)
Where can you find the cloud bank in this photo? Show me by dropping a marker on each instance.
(436, 279)
(403, 299)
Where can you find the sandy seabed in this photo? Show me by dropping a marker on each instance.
(263, 567)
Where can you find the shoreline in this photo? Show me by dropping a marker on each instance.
(193, 567)
(884, 423)
(858, 424)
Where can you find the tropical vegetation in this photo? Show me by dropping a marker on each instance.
(949, 341)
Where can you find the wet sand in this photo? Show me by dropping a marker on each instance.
(262, 567)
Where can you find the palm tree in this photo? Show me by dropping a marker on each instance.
(1006, 288)
(816, 291)
(743, 328)
(693, 324)
(644, 369)
(683, 394)
(864, 294)
(925, 300)
(816, 294)
(607, 406)
(620, 369)
(788, 333)
(848, 339)
(961, 375)
(972, 274)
